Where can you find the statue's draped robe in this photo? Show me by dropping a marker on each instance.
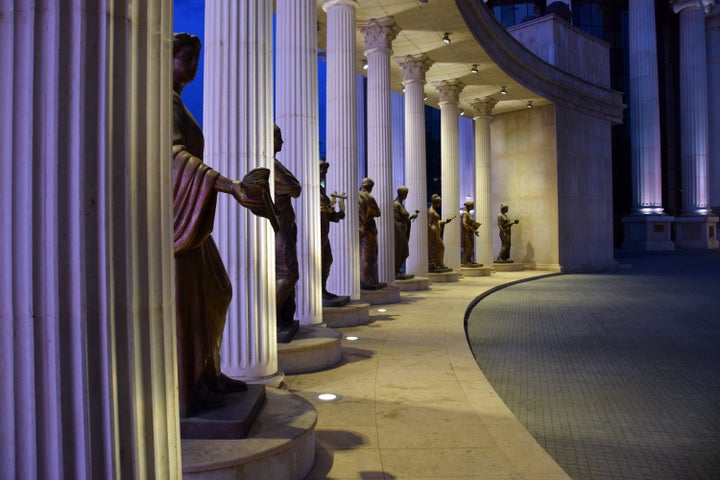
(436, 247)
(368, 239)
(287, 187)
(327, 214)
(202, 287)
(402, 234)
(469, 226)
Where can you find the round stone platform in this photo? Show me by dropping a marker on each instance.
(313, 348)
(280, 445)
(413, 284)
(478, 271)
(349, 315)
(508, 267)
(452, 276)
(383, 296)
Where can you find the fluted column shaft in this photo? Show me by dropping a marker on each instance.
(449, 168)
(713, 59)
(342, 143)
(483, 180)
(398, 138)
(239, 137)
(645, 105)
(379, 34)
(414, 69)
(693, 108)
(296, 113)
(87, 321)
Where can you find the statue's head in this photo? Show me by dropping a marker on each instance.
(277, 138)
(503, 207)
(469, 204)
(367, 184)
(402, 191)
(182, 40)
(435, 199)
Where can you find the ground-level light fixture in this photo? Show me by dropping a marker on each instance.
(329, 397)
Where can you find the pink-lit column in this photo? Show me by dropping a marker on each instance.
(449, 170)
(87, 319)
(296, 112)
(342, 143)
(712, 24)
(694, 226)
(397, 107)
(483, 179)
(239, 137)
(379, 34)
(647, 228)
(414, 69)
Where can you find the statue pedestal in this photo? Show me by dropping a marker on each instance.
(313, 348)
(282, 442)
(647, 232)
(696, 231)
(286, 334)
(475, 271)
(349, 315)
(443, 277)
(230, 421)
(380, 297)
(413, 284)
(508, 267)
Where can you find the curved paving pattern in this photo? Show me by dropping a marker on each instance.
(616, 374)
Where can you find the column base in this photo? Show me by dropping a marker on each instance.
(281, 446)
(696, 231)
(444, 277)
(314, 348)
(647, 232)
(382, 296)
(349, 315)
(509, 266)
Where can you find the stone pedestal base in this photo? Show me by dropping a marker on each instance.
(313, 348)
(444, 277)
(285, 335)
(647, 232)
(696, 231)
(508, 267)
(478, 271)
(383, 296)
(349, 315)
(230, 421)
(281, 445)
(413, 284)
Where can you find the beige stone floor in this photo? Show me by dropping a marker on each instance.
(414, 404)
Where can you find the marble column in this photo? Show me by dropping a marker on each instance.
(238, 128)
(397, 108)
(646, 228)
(87, 318)
(379, 34)
(695, 227)
(296, 112)
(342, 143)
(712, 23)
(483, 108)
(414, 69)
(449, 170)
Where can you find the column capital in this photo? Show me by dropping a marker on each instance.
(331, 3)
(414, 67)
(680, 5)
(379, 33)
(483, 106)
(449, 90)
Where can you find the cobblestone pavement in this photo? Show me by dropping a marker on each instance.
(615, 373)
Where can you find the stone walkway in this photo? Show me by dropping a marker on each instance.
(617, 373)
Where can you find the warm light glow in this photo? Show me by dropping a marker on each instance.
(352, 339)
(382, 310)
(329, 397)
(446, 38)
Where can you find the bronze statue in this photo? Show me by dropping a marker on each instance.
(286, 262)
(505, 226)
(369, 210)
(436, 227)
(403, 221)
(202, 287)
(329, 214)
(469, 232)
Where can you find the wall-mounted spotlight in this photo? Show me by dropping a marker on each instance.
(365, 65)
(529, 105)
(446, 38)
(503, 91)
(474, 68)
(462, 113)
